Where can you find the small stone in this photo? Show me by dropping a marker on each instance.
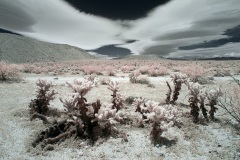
(49, 147)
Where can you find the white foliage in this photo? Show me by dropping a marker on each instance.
(165, 126)
(151, 105)
(157, 114)
(173, 114)
(179, 77)
(106, 114)
(113, 86)
(82, 87)
(213, 94)
(43, 85)
(165, 117)
(92, 78)
(44, 90)
(194, 88)
(70, 101)
(138, 102)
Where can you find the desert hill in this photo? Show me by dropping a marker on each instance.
(20, 49)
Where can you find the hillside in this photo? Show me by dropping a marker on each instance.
(19, 49)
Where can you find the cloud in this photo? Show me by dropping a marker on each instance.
(15, 16)
(227, 50)
(58, 22)
(182, 22)
(161, 32)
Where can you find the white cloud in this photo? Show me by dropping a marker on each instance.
(100, 56)
(192, 18)
(227, 50)
(58, 22)
(179, 22)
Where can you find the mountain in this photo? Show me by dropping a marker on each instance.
(20, 49)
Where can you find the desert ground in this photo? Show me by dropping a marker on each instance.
(210, 140)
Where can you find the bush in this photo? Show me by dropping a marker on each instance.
(194, 72)
(231, 101)
(155, 72)
(8, 71)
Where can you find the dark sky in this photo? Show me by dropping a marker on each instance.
(117, 9)
(233, 36)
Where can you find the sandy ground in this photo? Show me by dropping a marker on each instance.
(213, 140)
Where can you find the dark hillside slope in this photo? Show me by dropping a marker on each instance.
(19, 49)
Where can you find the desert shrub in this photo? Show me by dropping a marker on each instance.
(104, 80)
(8, 71)
(143, 80)
(134, 76)
(220, 73)
(110, 71)
(129, 100)
(151, 85)
(231, 100)
(144, 69)
(28, 68)
(127, 69)
(44, 94)
(92, 70)
(194, 72)
(159, 71)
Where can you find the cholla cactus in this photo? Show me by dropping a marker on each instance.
(150, 105)
(92, 78)
(202, 97)
(69, 102)
(113, 86)
(157, 113)
(138, 102)
(81, 87)
(178, 80)
(107, 117)
(161, 118)
(44, 95)
(173, 114)
(197, 95)
(212, 96)
(117, 99)
(193, 100)
(106, 114)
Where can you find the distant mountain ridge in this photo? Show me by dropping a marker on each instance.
(20, 49)
(142, 57)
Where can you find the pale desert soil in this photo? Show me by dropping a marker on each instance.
(213, 140)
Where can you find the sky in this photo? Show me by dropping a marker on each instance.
(116, 28)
